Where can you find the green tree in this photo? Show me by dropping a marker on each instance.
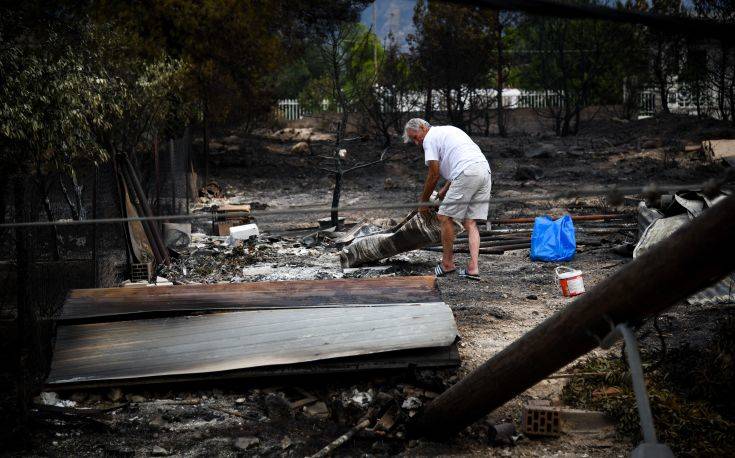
(632, 60)
(576, 63)
(451, 54)
(720, 66)
(232, 48)
(665, 52)
(48, 112)
(346, 64)
(385, 97)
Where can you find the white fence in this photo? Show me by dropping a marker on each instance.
(291, 109)
(679, 100)
(649, 103)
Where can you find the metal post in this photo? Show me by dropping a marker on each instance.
(187, 168)
(172, 175)
(157, 165)
(650, 448)
(95, 192)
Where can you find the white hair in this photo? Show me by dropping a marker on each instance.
(413, 124)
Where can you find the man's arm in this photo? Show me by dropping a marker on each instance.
(443, 190)
(432, 178)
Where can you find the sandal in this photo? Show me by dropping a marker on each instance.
(440, 272)
(464, 274)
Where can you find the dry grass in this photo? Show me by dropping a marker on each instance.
(691, 395)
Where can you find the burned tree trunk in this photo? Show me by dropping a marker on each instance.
(500, 80)
(335, 198)
(3, 187)
(428, 105)
(43, 189)
(25, 318)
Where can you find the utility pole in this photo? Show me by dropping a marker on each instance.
(375, 44)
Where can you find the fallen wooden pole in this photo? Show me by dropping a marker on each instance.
(488, 244)
(146, 208)
(341, 439)
(531, 219)
(501, 248)
(526, 240)
(694, 257)
(510, 231)
(146, 225)
(491, 250)
(497, 238)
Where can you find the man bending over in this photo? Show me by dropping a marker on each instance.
(451, 153)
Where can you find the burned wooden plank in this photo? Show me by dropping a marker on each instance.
(219, 342)
(106, 304)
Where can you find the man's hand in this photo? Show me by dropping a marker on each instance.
(431, 179)
(443, 191)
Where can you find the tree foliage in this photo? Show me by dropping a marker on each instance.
(574, 61)
(718, 75)
(451, 54)
(387, 95)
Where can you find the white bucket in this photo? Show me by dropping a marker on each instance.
(570, 281)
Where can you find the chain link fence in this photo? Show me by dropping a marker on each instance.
(40, 265)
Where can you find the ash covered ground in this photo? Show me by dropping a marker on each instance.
(257, 417)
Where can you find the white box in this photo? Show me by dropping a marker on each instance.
(244, 232)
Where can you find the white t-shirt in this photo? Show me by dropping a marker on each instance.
(454, 150)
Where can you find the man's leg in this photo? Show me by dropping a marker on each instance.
(477, 211)
(447, 227)
(473, 234)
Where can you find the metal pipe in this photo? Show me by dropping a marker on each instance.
(695, 256)
(639, 383)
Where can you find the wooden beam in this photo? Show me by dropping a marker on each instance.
(531, 219)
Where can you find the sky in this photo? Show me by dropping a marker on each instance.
(391, 16)
(397, 16)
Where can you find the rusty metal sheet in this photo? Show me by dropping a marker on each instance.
(218, 342)
(103, 304)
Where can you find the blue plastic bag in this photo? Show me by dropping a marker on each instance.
(553, 240)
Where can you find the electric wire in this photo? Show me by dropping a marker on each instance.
(613, 193)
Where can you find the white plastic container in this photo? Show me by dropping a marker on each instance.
(244, 232)
(570, 281)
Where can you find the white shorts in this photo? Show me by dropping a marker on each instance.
(474, 183)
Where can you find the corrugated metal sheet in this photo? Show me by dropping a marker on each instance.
(107, 303)
(273, 326)
(723, 292)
